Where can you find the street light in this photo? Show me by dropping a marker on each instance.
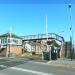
(71, 32)
(47, 52)
(46, 33)
(9, 42)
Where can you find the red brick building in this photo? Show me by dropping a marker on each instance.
(10, 45)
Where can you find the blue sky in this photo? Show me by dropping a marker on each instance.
(29, 19)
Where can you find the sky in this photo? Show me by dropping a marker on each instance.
(26, 18)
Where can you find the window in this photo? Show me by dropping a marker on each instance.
(8, 40)
(15, 41)
(4, 40)
(20, 42)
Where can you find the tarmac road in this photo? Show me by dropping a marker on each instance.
(28, 67)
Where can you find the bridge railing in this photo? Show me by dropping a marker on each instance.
(43, 36)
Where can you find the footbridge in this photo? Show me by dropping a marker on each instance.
(43, 36)
(38, 42)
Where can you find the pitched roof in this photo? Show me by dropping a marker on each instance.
(8, 35)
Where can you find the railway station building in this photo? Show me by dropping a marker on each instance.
(10, 45)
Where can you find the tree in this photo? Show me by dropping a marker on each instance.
(55, 44)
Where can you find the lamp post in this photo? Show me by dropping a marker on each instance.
(46, 33)
(47, 40)
(9, 42)
(71, 32)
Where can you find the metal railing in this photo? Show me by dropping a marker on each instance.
(43, 36)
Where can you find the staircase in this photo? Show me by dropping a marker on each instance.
(2, 52)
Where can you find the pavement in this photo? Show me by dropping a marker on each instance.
(66, 63)
(63, 62)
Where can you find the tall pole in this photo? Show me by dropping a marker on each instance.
(10, 41)
(48, 46)
(71, 31)
(46, 33)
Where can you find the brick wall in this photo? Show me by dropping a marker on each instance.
(14, 50)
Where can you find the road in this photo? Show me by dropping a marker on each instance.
(28, 67)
